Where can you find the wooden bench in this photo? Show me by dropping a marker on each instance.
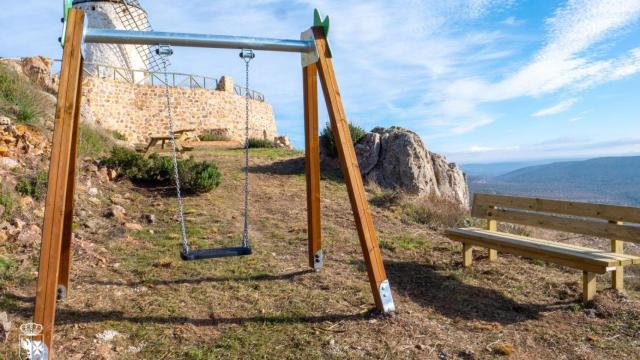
(618, 223)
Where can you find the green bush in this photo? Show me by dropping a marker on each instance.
(195, 177)
(255, 143)
(33, 185)
(20, 97)
(94, 142)
(357, 133)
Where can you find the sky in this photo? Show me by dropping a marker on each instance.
(479, 80)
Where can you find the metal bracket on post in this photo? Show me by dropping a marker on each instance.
(318, 260)
(311, 56)
(164, 50)
(386, 297)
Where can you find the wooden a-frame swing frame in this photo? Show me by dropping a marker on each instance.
(55, 253)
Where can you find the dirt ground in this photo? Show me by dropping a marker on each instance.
(132, 297)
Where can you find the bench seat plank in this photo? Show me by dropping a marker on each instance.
(565, 254)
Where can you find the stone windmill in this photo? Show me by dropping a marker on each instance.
(122, 15)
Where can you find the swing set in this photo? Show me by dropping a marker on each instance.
(55, 256)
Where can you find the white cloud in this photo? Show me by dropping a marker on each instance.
(556, 109)
(566, 61)
(575, 119)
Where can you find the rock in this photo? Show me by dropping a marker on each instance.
(396, 158)
(5, 326)
(5, 121)
(504, 349)
(149, 218)
(38, 69)
(112, 174)
(103, 174)
(7, 163)
(107, 335)
(92, 191)
(117, 212)
(368, 152)
(30, 236)
(117, 199)
(27, 202)
(1, 210)
(282, 142)
(19, 224)
(133, 226)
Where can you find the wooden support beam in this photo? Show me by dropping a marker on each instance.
(67, 232)
(588, 286)
(351, 170)
(617, 276)
(59, 177)
(467, 254)
(492, 225)
(312, 157)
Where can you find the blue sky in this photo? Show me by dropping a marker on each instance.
(479, 80)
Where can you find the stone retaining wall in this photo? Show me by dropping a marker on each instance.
(139, 111)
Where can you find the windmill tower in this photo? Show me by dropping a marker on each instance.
(121, 15)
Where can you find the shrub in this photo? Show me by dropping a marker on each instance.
(21, 96)
(357, 133)
(213, 137)
(94, 142)
(255, 143)
(387, 198)
(434, 211)
(195, 177)
(33, 185)
(118, 135)
(6, 201)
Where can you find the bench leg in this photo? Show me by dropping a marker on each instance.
(617, 276)
(493, 255)
(588, 286)
(467, 255)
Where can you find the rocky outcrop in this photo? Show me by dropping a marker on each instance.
(396, 158)
(36, 68)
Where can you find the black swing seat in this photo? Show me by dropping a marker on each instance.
(215, 253)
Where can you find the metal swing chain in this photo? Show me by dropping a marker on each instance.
(164, 52)
(247, 55)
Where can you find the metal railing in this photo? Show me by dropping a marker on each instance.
(154, 78)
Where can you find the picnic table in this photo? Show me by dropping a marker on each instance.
(182, 136)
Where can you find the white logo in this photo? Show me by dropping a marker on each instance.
(32, 346)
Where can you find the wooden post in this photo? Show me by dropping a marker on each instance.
(312, 152)
(588, 286)
(467, 255)
(58, 196)
(67, 232)
(617, 276)
(492, 225)
(351, 170)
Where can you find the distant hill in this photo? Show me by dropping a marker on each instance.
(606, 179)
(491, 170)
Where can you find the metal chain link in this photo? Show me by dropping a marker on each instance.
(246, 55)
(174, 153)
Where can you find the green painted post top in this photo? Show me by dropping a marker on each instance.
(66, 6)
(318, 22)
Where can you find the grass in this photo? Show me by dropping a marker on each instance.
(255, 143)
(21, 98)
(435, 211)
(6, 201)
(94, 142)
(33, 185)
(213, 137)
